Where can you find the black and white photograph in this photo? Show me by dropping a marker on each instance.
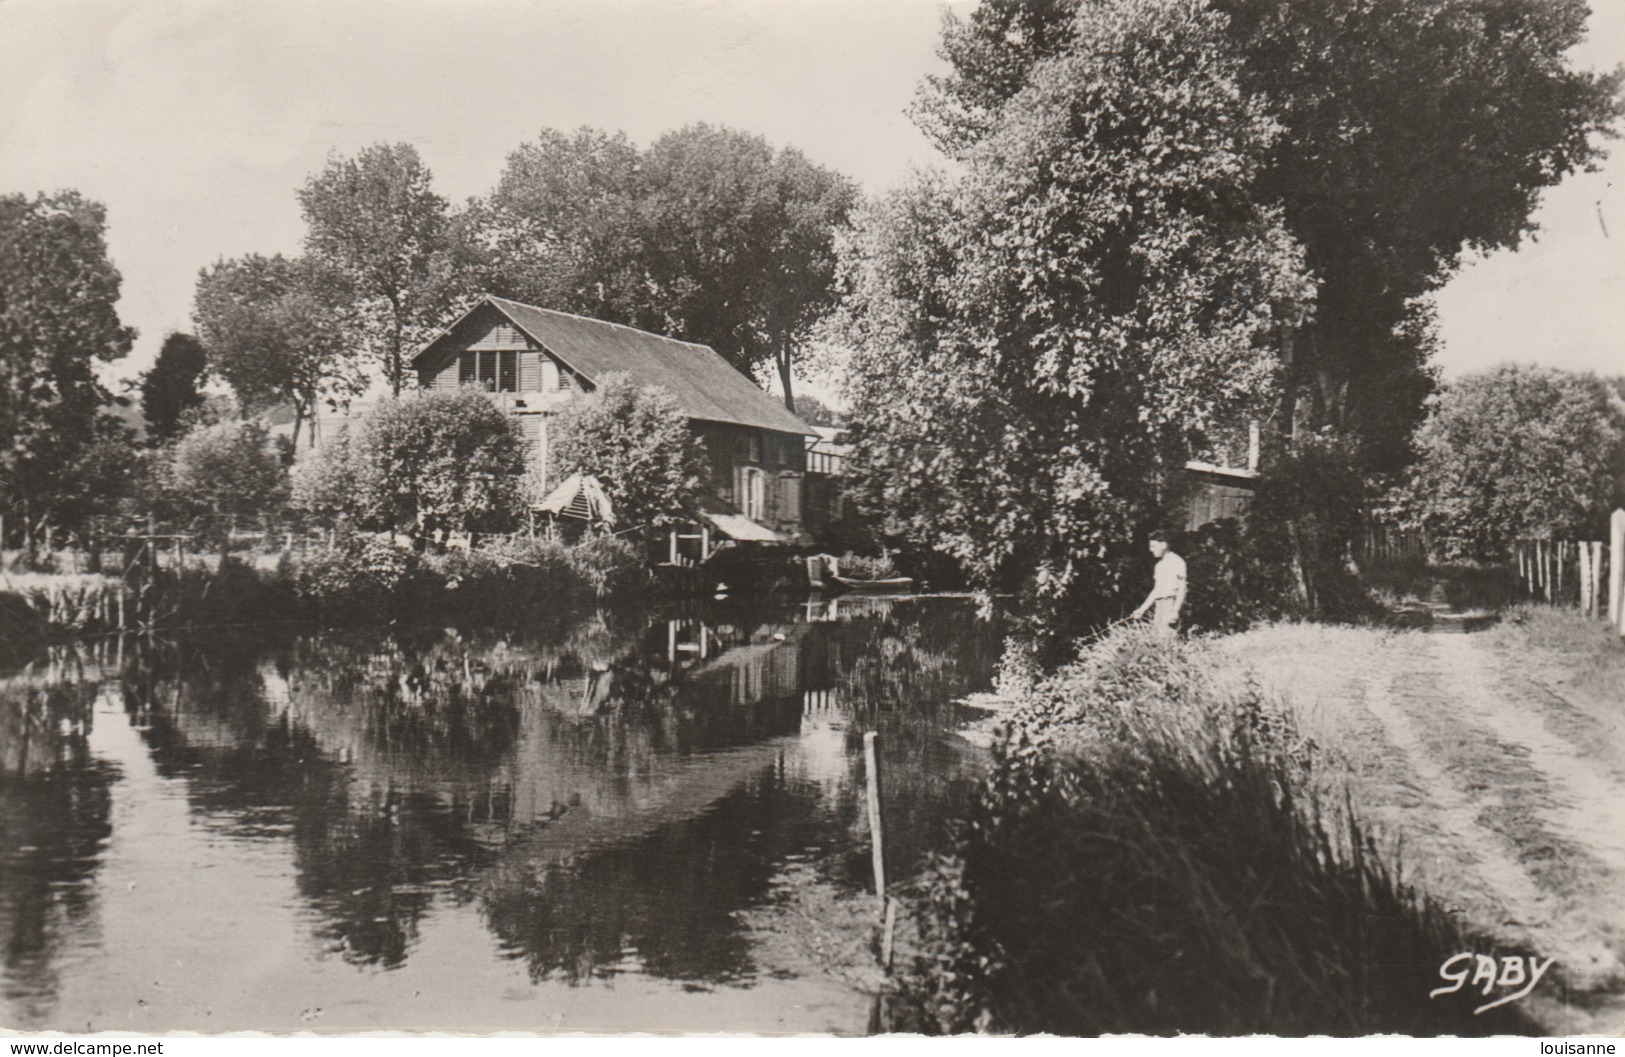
(812, 518)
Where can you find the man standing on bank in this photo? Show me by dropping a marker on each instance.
(1167, 595)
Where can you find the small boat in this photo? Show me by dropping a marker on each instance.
(889, 583)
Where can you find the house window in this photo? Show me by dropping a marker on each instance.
(754, 502)
(755, 447)
(495, 371)
(566, 383)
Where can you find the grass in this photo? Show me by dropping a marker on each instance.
(1581, 656)
(1157, 852)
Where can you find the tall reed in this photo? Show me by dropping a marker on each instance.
(1154, 853)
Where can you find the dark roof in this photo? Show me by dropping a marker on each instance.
(705, 385)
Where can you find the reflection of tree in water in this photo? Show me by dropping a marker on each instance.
(912, 662)
(900, 669)
(387, 757)
(666, 903)
(419, 765)
(54, 815)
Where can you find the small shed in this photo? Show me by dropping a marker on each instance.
(1216, 492)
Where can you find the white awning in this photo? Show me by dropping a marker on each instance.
(741, 528)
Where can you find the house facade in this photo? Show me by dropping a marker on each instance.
(533, 361)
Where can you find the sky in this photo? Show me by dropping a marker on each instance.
(195, 121)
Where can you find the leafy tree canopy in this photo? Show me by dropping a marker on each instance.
(1517, 453)
(709, 235)
(1411, 129)
(223, 472)
(277, 331)
(437, 459)
(376, 219)
(1041, 340)
(57, 321)
(170, 388)
(636, 441)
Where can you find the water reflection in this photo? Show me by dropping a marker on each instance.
(604, 795)
(54, 816)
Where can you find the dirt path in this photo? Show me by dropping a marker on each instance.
(1498, 769)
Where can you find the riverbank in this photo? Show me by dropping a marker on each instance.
(1494, 762)
(357, 578)
(1228, 835)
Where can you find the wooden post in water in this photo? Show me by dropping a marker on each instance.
(877, 837)
(1616, 568)
(877, 843)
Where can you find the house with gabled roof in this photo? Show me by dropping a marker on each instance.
(533, 361)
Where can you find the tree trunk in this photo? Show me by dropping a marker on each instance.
(784, 365)
(397, 336)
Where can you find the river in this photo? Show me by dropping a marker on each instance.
(596, 822)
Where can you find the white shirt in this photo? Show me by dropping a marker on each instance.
(1170, 576)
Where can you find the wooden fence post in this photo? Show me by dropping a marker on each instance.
(1616, 567)
(1596, 577)
(1585, 577)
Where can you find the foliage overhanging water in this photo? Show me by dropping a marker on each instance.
(574, 826)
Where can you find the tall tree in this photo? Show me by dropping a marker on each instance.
(562, 224)
(1040, 342)
(1413, 129)
(221, 473)
(710, 235)
(57, 321)
(170, 388)
(1517, 452)
(276, 331)
(376, 218)
(740, 243)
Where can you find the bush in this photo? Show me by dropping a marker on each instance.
(1233, 581)
(608, 565)
(637, 442)
(361, 573)
(1151, 855)
(433, 459)
(505, 575)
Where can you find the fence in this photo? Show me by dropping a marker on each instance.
(1387, 544)
(1574, 572)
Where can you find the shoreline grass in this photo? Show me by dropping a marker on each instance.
(1157, 852)
(361, 579)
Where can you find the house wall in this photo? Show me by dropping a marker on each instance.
(1211, 498)
(764, 469)
(761, 473)
(501, 359)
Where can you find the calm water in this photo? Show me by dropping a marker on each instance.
(601, 824)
